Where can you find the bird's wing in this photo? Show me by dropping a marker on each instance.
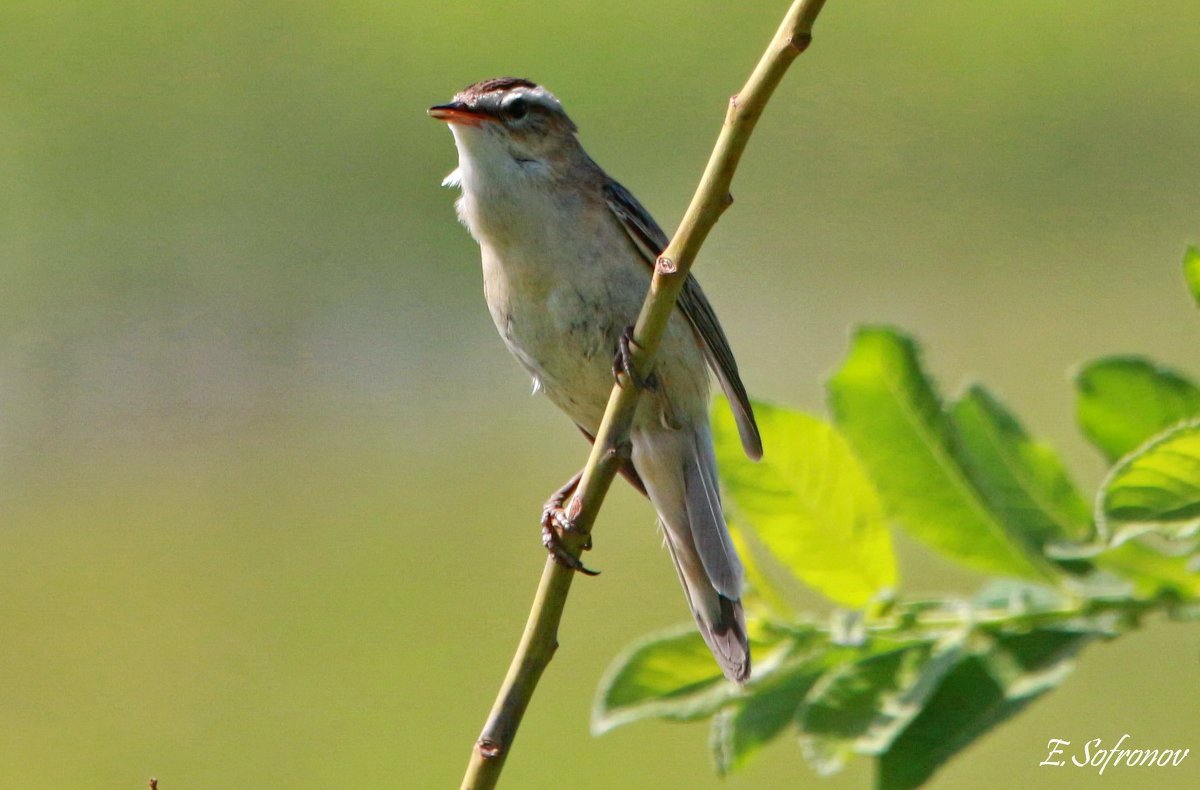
(650, 241)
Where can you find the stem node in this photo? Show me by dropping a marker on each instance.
(800, 42)
(489, 749)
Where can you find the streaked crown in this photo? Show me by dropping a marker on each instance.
(514, 102)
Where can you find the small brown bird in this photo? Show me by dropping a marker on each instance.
(567, 259)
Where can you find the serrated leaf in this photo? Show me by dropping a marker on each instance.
(1155, 489)
(668, 675)
(1191, 271)
(1123, 401)
(810, 503)
(889, 412)
(1024, 482)
(980, 692)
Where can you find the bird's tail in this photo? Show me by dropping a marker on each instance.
(680, 473)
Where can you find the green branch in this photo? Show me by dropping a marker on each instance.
(712, 197)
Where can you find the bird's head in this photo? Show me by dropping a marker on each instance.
(509, 127)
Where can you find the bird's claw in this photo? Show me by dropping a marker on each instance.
(556, 522)
(623, 363)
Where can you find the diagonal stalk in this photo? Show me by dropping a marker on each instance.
(712, 197)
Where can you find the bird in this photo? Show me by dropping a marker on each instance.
(567, 256)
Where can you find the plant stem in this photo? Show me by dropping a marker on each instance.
(611, 446)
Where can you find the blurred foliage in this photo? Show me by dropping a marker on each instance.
(888, 410)
(1191, 271)
(913, 682)
(811, 504)
(1122, 400)
(1156, 488)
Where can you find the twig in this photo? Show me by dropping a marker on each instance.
(712, 197)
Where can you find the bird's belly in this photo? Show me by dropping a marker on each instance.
(566, 340)
(562, 321)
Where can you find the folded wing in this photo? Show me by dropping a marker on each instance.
(650, 241)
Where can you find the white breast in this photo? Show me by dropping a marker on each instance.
(562, 282)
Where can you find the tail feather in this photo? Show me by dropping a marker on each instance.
(679, 470)
(706, 520)
(720, 620)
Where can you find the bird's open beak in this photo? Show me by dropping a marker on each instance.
(457, 112)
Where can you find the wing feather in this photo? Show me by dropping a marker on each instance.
(650, 241)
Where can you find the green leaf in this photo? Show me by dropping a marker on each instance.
(862, 706)
(1024, 482)
(1123, 401)
(668, 675)
(819, 678)
(1191, 271)
(1156, 488)
(1017, 597)
(888, 410)
(761, 595)
(980, 692)
(1150, 572)
(738, 733)
(810, 503)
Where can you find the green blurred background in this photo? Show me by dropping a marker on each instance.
(268, 479)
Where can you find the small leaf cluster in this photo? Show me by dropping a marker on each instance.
(912, 682)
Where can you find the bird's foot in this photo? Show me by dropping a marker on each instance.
(623, 363)
(558, 520)
(556, 523)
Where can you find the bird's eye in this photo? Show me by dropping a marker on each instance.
(516, 108)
